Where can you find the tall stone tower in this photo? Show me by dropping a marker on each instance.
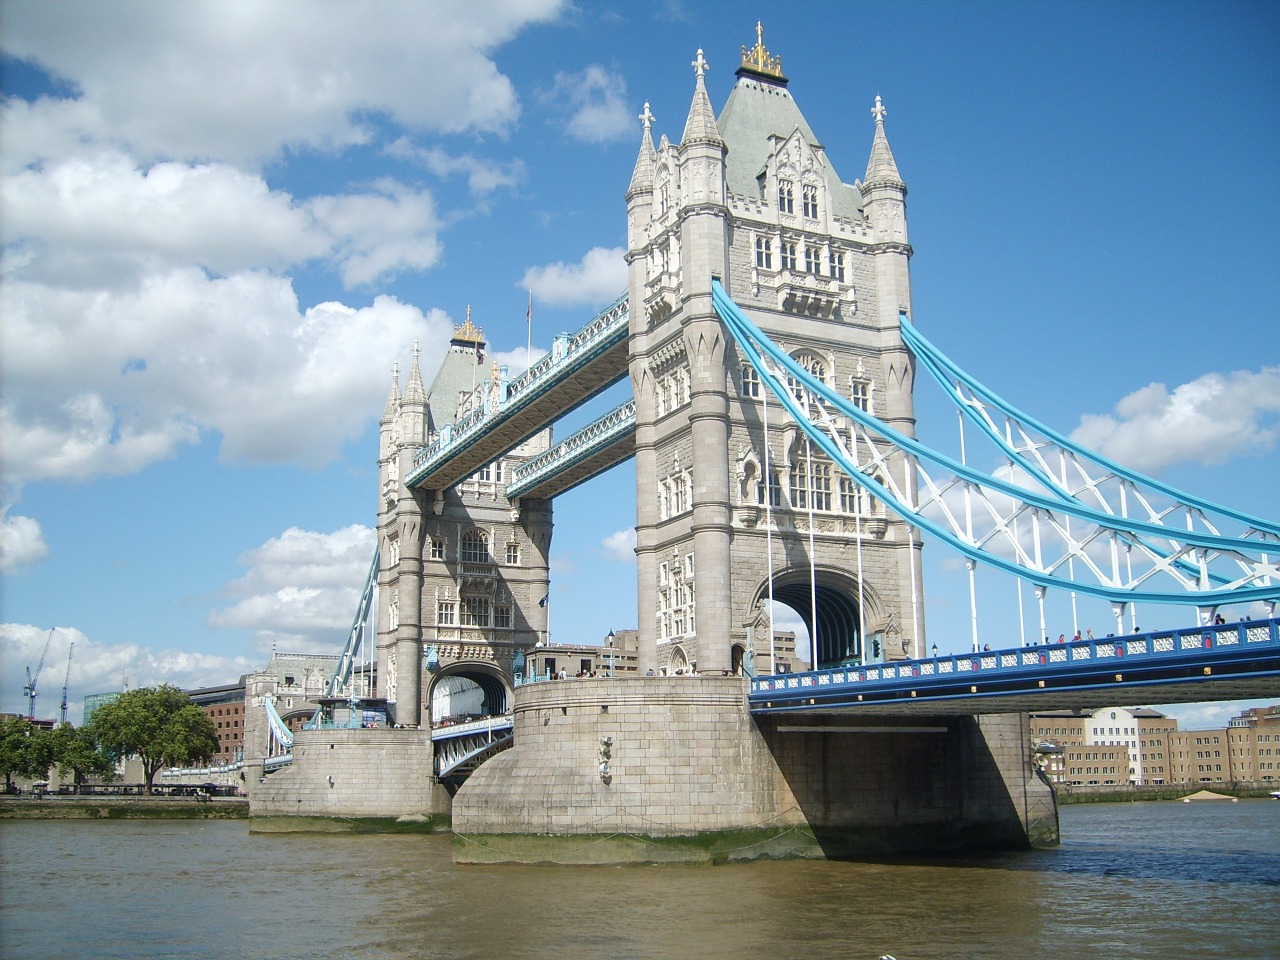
(727, 517)
(462, 570)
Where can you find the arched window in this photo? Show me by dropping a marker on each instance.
(750, 381)
(810, 200)
(786, 196)
(475, 547)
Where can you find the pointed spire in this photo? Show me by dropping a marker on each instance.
(642, 175)
(701, 125)
(881, 166)
(393, 398)
(413, 392)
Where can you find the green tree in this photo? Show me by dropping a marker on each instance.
(24, 750)
(159, 724)
(76, 752)
(17, 753)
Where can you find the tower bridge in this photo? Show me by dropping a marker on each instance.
(768, 335)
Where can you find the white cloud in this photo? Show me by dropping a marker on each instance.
(1208, 420)
(595, 100)
(301, 589)
(621, 546)
(98, 668)
(425, 66)
(1208, 716)
(599, 277)
(109, 381)
(103, 221)
(483, 176)
(379, 234)
(21, 542)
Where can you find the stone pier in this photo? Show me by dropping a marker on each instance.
(653, 769)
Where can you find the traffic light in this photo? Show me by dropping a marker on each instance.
(875, 649)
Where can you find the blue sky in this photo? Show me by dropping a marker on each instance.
(222, 222)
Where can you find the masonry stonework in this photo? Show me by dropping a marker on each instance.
(692, 776)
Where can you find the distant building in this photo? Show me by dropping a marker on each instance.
(295, 682)
(1154, 750)
(224, 706)
(95, 700)
(618, 656)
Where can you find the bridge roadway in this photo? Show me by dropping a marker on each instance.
(1236, 661)
(578, 368)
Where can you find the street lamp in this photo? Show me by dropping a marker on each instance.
(935, 651)
(610, 639)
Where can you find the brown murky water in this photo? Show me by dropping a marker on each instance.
(1163, 880)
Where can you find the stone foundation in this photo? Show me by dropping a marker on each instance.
(348, 774)
(693, 777)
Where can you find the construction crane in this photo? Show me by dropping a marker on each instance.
(66, 680)
(29, 691)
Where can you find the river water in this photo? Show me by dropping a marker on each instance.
(1164, 880)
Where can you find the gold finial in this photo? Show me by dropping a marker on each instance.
(468, 332)
(758, 58)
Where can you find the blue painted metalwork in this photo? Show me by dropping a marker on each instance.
(951, 378)
(459, 747)
(1179, 551)
(598, 435)
(279, 738)
(1250, 648)
(569, 354)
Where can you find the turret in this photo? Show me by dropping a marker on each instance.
(389, 442)
(883, 191)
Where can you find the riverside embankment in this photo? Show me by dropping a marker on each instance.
(122, 808)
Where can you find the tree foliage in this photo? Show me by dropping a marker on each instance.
(159, 724)
(24, 751)
(75, 752)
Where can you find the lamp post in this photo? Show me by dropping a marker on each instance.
(610, 639)
(935, 651)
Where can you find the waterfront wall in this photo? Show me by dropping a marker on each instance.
(693, 776)
(363, 773)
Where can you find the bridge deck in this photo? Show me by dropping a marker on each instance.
(579, 369)
(1229, 662)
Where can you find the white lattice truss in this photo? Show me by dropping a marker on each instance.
(1052, 513)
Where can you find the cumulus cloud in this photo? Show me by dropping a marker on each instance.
(595, 104)
(483, 176)
(102, 381)
(599, 277)
(221, 98)
(1208, 420)
(106, 222)
(98, 667)
(301, 589)
(21, 542)
(621, 546)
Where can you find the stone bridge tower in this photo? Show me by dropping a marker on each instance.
(462, 571)
(750, 197)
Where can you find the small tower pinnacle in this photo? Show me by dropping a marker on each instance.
(413, 392)
(642, 174)
(701, 125)
(881, 166)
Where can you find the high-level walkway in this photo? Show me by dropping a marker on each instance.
(578, 368)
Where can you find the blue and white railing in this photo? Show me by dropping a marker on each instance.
(495, 399)
(1194, 646)
(596, 436)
